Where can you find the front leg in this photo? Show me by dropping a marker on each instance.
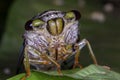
(49, 59)
(77, 53)
(86, 42)
(78, 47)
(26, 64)
(54, 62)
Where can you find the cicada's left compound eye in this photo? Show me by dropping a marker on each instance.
(37, 23)
(28, 25)
(34, 24)
(73, 14)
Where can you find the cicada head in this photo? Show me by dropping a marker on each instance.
(53, 21)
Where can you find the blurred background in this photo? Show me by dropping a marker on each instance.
(100, 24)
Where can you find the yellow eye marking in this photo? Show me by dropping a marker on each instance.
(37, 23)
(69, 15)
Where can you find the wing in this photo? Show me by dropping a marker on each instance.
(20, 59)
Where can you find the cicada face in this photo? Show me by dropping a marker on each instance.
(55, 24)
(52, 32)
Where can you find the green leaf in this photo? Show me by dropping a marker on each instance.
(91, 72)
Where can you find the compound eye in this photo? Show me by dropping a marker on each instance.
(73, 14)
(37, 23)
(28, 25)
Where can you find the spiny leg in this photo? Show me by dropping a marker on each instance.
(86, 42)
(26, 64)
(76, 62)
(78, 47)
(53, 61)
(38, 62)
(65, 51)
(47, 57)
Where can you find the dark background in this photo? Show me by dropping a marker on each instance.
(100, 24)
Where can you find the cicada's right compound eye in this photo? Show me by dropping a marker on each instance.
(73, 14)
(28, 25)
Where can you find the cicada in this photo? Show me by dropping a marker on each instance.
(52, 37)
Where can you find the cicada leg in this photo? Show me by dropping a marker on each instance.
(65, 50)
(26, 64)
(53, 61)
(76, 62)
(86, 42)
(79, 46)
(47, 57)
(39, 62)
